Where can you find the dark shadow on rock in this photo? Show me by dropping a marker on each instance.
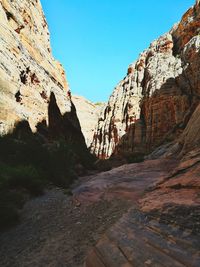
(164, 115)
(29, 161)
(22, 130)
(67, 127)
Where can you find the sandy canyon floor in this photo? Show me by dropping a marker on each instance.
(121, 209)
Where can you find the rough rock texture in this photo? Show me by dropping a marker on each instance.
(190, 139)
(160, 229)
(88, 114)
(56, 232)
(28, 71)
(162, 226)
(154, 102)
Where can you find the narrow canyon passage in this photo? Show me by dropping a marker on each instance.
(141, 214)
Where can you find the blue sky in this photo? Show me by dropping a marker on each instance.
(97, 40)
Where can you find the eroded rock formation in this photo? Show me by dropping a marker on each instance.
(28, 71)
(162, 227)
(88, 114)
(154, 102)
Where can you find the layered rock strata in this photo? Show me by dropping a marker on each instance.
(155, 100)
(162, 227)
(28, 72)
(88, 114)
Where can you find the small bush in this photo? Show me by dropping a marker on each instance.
(28, 178)
(21, 177)
(98, 103)
(28, 163)
(16, 182)
(25, 168)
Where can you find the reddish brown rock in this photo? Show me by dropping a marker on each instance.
(162, 227)
(187, 28)
(181, 187)
(154, 102)
(190, 138)
(161, 114)
(140, 240)
(128, 181)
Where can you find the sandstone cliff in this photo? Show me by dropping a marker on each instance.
(156, 107)
(28, 71)
(88, 114)
(41, 142)
(155, 100)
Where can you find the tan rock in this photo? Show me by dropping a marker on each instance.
(28, 71)
(88, 114)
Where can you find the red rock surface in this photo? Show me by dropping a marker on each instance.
(127, 181)
(162, 227)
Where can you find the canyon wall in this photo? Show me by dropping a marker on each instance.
(88, 114)
(28, 72)
(33, 86)
(154, 102)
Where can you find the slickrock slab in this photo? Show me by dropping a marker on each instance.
(127, 181)
(182, 187)
(163, 230)
(138, 241)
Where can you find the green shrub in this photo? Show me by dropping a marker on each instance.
(16, 182)
(98, 103)
(26, 177)
(28, 164)
(21, 177)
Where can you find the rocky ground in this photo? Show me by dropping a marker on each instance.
(57, 231)
(143, 214)
(163, 228)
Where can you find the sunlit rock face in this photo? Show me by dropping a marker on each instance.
(28, 71)
(155, 100)
(88, 114)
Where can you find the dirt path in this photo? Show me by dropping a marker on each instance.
(57, 230)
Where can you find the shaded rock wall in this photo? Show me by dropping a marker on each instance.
(155, 100)
(190, 139)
